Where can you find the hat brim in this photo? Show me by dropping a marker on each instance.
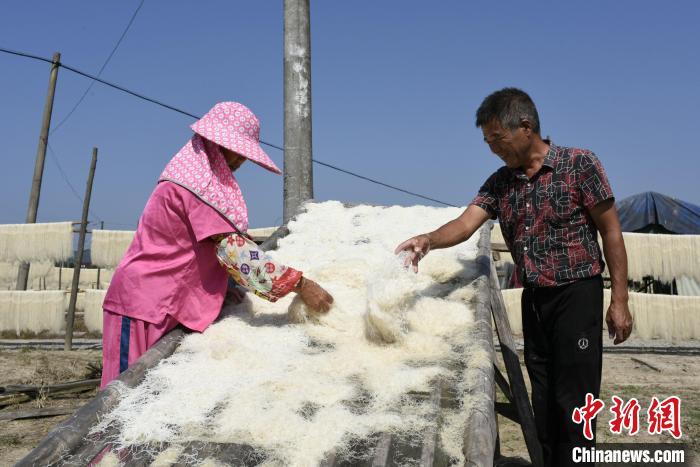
(246, 147)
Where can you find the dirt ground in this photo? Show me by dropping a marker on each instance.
(679, 375)
(37, 367)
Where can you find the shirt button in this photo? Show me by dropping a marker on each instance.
(527, 205)
(525, 249)
(527, 227)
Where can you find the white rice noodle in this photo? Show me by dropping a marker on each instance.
(688, 286)
(88, 278)
(511, 297)
(298, 391)
(46, 242)
(40, 280)
(40, 270)
(497, 234)
(92, 307)
(668, 317)
(663, 256)
(8, 275)
(30, 311)
(108, 247)
(109, 460)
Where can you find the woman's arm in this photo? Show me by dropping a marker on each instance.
(253, 269)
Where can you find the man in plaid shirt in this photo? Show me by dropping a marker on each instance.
(551, 202)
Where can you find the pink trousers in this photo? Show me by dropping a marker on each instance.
(125, 339)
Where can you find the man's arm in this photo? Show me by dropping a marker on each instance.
(454, 232)
(618, 315)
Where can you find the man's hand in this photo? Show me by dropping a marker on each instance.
(454, 232)
(416, 248)
(618, 317)
(314, 296)
(619, 321)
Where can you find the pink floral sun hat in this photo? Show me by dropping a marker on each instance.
(235, 127)
(201, 168)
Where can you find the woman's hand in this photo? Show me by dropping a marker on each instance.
(314, 296)
(416, 248)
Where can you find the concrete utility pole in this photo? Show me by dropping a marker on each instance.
(298, 173)
(70, 319)
(23, 272)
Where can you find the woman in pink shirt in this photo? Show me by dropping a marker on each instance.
(191, 237)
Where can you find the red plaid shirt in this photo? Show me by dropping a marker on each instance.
(544, 220)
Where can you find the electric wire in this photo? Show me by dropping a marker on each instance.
(99, 73)
(183, 112)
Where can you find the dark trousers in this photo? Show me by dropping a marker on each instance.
(563, 333)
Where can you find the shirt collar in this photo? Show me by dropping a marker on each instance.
(549, 160)
(552, 155)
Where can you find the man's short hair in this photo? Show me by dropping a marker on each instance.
(508, 106)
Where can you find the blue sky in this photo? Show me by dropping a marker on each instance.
(395, 87)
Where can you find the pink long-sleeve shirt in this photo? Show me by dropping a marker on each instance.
(171, 267)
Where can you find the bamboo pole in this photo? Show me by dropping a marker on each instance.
(298, 172)
(79, 256)
(23, 272)
(480, 433)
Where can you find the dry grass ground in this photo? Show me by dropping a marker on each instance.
(40, 367)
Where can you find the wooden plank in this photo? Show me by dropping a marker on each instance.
(637, 360)
(381, 452)
(502, 383)
(480, 432)
(515, 375)
(33, 413)
(508, 410)
(261, 234)
(51, 389)
(227, 453)
(430, 438)
(329, 460)
(271, 242)
(90, 448)
(12, 399)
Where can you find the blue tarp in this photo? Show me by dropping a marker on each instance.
(653, 212)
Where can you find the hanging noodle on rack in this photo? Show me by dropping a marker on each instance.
(663, 256)
(108, 247)
(48, 242)
(8, 275)
(668, 317)
(92, 308)
(32, 311)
